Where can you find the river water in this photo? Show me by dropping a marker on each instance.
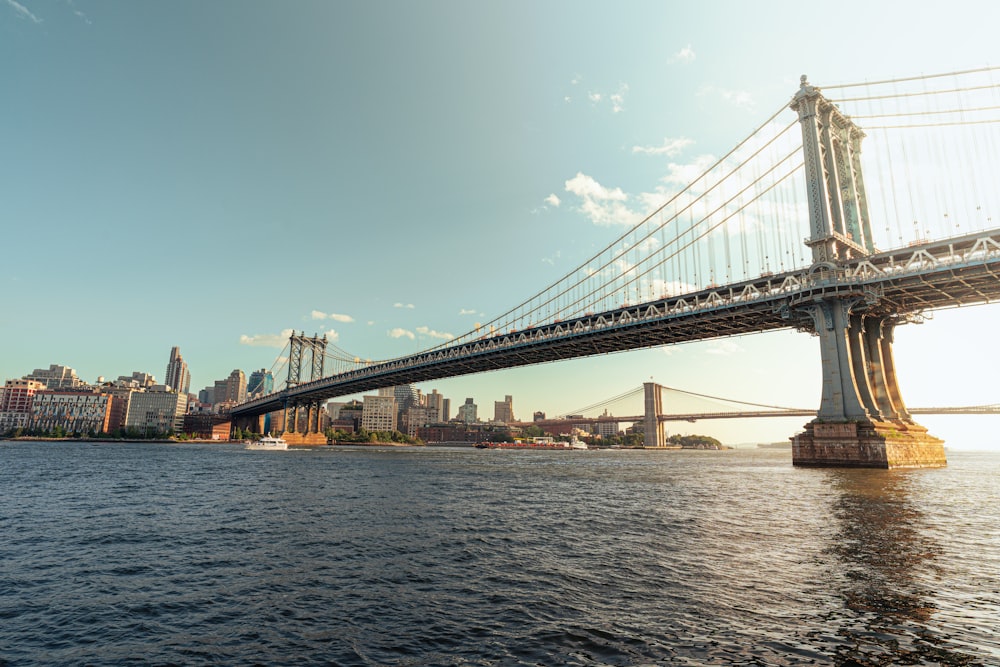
(116, 554)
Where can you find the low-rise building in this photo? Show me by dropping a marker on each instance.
(15, 403)
(207, 426)
(71, 411)
(56, 377)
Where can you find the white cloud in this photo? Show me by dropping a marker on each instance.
(267, 340)
(332, 335)
(670, 147)
(552, 260)
(682, 175)
(401, 333)
(78, 13)
(618, 99)
(22, 11)
(685, 56)
(402, 305)
(425, 331)
(604, 206)
(467, 311)
(593, 97)
(724, 348)
(337, 317)
(737, 98)
(553, 200)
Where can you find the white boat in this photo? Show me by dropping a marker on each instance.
(268, 442)
(576, 443)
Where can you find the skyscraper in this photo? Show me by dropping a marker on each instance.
(233, 389)
(261, 382)
(178, 377)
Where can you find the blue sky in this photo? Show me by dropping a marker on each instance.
(212, 174)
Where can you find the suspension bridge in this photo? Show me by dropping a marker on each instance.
(640, 405)
(900, 229)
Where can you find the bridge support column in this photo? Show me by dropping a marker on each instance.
(862, 421)
(311, 435)
(653, 401)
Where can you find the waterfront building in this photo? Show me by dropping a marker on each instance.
(15, 403)
(120, 394)
(468, 413)
(260, 383)
(206, 426)
(178, 377)
(345, 416)
(232, 390)
(419, 416)
(379, 413)
(503, 411)
(56, 377)
(156, 410)
(79, 412)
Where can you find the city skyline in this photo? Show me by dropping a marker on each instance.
(389, 184)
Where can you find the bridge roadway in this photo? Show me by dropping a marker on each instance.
(957, 271)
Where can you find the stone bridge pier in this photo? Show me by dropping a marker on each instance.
(294, 416)
(862, 421)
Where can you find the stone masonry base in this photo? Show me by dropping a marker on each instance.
(867, 444)
(301, 439)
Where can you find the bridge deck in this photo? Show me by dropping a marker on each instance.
(952, 272)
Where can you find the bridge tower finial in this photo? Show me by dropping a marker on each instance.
(840, 227)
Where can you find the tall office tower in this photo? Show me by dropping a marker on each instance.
(261, 382)
(233, 389)
(445, 410)
(178, 377)
(503, 411)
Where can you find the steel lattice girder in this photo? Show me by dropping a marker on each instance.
(943, 274)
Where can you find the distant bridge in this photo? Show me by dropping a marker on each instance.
(579, 416)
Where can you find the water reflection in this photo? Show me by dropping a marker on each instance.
(888, 561)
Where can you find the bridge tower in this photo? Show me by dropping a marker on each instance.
(862, 421)
(299, 346)
(653, 427)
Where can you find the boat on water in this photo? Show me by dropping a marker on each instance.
(268, 442)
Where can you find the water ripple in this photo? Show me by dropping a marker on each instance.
(168, 554)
